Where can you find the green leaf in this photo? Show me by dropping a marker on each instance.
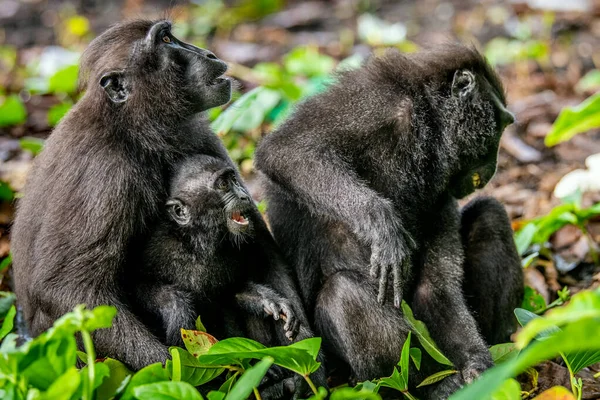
(503, 352)
(118, 374)
(404, 360)
(581, 335)
(64, 81)
(524, 237)
(394, 381)
(197, 342)
(419, 329)
(308, 62)
(526, 262)
(150, 374)
(190, 369)
(32, 144)
(167, 391)
(438, 376)
(510, 390)
(583, 305)
(234, 351)
(6, 261)
(347, 393)
(65, 386)
(583, 359)
(574, 120)
(8, 323)
(590, 81)
(199, 325)
(533, 301)
(249, 380)
(215, 395)
(6, 193)
(12, 111)
(415, 354)
(57, 112)
(7, 299)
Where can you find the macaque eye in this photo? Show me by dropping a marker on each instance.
(222, 184)
(166, 39)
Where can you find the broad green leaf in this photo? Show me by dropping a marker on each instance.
(307, 61)
(199, 325)
(532, 300)
(574, 120)
(503, 352)
(438, 376)
(8, 323)
(524, 317)
(404, 360)
(524, 237)
(415, 355)
(255, 114)
(583, 305)
(7, 299)
(347, 393)
(580, 360)
(419, 329)
(65, 386)
(12, 111)
(189, 368)
(510, 390)
(118, 374)
(394, 381)
(582, 335)
(6, 261)
(32, 144)
(150, 374)
(590, 81)
(526, 262)
(57, 112)
(6, 193)
(311, 345)
(249, 380)
(556, 393)
(216, 395)
(234, 351)
(167, 391)
(64, 81)
(197, 342)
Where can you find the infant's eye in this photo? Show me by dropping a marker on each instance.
(166, 39)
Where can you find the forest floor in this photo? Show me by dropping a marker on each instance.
(541, 77)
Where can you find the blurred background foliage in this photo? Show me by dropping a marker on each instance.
(547, 52)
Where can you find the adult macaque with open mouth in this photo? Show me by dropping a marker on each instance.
(96, 191)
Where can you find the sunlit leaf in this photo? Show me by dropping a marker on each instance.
(32, 144)
(532, 300)
(167, 391)
(524, 237)
(347, 393)
(65, 386)
(249, 380)
(12, 110)
(57, 112)
(78, 25)
(555, 393)
(590, 81)
(574, 120)
(308, 61)
(510, 390)
(199, 325)
(197, 342)
(438, 376)
(64, 81)
(189, 369)
(8, 322)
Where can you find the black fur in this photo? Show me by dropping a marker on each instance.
(368, 171)
(99, 185)
(212, 255)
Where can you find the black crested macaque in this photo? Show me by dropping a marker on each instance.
(96, 191)
(369, 171)
(204, 256)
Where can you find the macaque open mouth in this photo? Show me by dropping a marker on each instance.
(238, 218)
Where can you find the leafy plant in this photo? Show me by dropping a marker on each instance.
(574, 120)
(12, 110)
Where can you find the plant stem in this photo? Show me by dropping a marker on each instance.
(256, 394)
(88, 345)
(574, 388)
(311, 384)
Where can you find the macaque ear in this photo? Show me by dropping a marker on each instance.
(116, 85)
(463, 83)
(179, 211)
